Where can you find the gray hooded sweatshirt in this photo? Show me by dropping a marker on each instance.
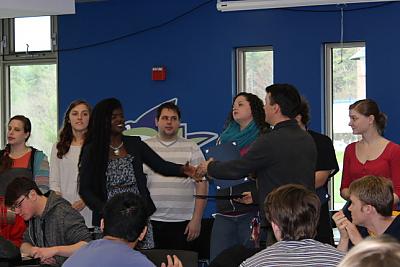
(59, 225)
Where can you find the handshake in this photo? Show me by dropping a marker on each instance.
(197, 173)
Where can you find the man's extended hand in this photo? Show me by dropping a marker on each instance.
(189, 170)
(201, 170)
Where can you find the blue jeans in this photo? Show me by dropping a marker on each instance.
(228, 231)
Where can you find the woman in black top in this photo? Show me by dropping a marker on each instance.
(111, 163)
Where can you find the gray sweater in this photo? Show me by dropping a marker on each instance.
(59, 225)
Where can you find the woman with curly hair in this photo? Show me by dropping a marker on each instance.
(112, 163)
(65, 156)
(234, 217)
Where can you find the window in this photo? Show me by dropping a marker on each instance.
(29, 77)
(345, 83)
(254, 69)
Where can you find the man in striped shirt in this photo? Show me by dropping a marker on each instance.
(179, 213)
(293, 212)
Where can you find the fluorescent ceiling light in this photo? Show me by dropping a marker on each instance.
(266, 4)
(33, 8)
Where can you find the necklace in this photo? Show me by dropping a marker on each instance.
(20, 154)
(116, 149)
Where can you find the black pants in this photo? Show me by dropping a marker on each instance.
(170, 235)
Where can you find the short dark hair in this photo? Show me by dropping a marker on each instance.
(375, 191)
(304, 111)
(295, 210)
(18, 187)
(287, 97)
(168, 105)
(125, 216)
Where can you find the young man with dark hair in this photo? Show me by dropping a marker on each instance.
(371, 211)
(287, 154)
(293, 212)
(55, 229)
(179, 217)
(124, 225)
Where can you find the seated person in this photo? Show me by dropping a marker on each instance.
(371, 211)
(383, 251)
(293, 212)
(124, 225)
(55, 230)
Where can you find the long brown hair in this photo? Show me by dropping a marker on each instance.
(6, 161)
(66, 136)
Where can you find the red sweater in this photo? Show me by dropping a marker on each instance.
(386, 165)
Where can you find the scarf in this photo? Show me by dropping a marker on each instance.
(243, 138)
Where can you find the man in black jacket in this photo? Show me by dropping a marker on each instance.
(287, 154)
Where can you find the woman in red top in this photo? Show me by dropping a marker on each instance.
(373, 154)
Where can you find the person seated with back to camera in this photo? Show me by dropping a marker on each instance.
(124, 224)
(382, 251)
(371, 211)
(55, 229)
(293, 211)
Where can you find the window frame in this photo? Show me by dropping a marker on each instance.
(241, 64)
(8, 57)
(328, 72)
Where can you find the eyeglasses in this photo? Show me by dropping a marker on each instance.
(19, 203)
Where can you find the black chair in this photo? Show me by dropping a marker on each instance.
(157, 256)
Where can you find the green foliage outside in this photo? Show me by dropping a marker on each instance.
(344, 73)
(259, 71)
(33, 93)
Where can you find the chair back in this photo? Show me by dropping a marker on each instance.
(157, 256)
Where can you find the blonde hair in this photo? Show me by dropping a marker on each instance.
(383, 251)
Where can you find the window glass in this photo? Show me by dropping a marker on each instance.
(255, 70)
(348, 84)
(33, 93)
(34, 32)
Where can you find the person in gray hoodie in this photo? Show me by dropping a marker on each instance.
(55, 230)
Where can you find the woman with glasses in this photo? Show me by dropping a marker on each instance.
(19, 159)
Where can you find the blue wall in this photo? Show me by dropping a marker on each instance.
(198, 51)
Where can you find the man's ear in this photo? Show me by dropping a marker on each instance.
(156, 122)
(276, 108)
(32, 195)
(277, 231)
(102, 225)
(369, 209)
(298, 119)
(143, 234)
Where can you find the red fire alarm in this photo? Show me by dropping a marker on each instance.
(159, 73)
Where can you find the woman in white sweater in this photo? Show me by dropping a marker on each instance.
(65, 156)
